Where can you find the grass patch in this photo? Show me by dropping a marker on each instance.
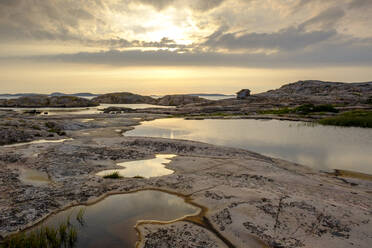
(114, 175)
(281, 111)
(80, 215)
(304, 109)
(357, 118)
(64, 235)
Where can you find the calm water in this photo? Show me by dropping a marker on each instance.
(145, 168)
(42, 141)
(110, 222)
(87, 110)
(320, 147)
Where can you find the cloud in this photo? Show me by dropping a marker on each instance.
(325, 20)
(206, 4)
(157, 4)
(231, 32)
(285, 39)
(360, 3)
(345, 53)
(200, 5)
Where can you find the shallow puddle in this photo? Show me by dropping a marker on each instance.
(111, 222)
(37, 142)
(143, 168)
(34, 177)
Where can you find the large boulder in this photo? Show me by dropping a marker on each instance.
(177, 100)
(123, 98)
(243, 94)
(40, 101)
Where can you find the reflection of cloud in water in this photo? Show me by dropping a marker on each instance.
(145, 168)
(321, 147)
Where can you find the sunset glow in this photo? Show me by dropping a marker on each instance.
(181, 46)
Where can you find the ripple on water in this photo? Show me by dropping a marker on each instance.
(144, 168)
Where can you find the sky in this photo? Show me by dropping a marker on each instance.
(181, 46)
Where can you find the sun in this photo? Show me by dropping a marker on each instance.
(146, 24)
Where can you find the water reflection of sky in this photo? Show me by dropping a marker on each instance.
(87, 110)
(110, 222)
(145, 168)
(321, 147)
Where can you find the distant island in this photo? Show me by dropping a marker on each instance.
(206, 94)
(52, 94)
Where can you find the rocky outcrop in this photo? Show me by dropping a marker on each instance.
(39, 101)
(123, 98)
(244, 93)
(177, 100)
(130, 98)
(112, 110)
(314, 91)
(16, 130)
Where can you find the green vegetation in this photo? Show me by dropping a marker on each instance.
(369, 100)
(357, 118)
(65, 235)
(114, 175)
(80, 215)
(281, 111)
(304, 109)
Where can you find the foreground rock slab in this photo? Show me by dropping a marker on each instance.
(248, 197)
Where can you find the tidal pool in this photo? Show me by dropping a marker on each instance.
(111, 222)
(144, 168)
(320, 147)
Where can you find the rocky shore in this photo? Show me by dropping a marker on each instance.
(130, 98)
(249, 198)
(41, 101)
